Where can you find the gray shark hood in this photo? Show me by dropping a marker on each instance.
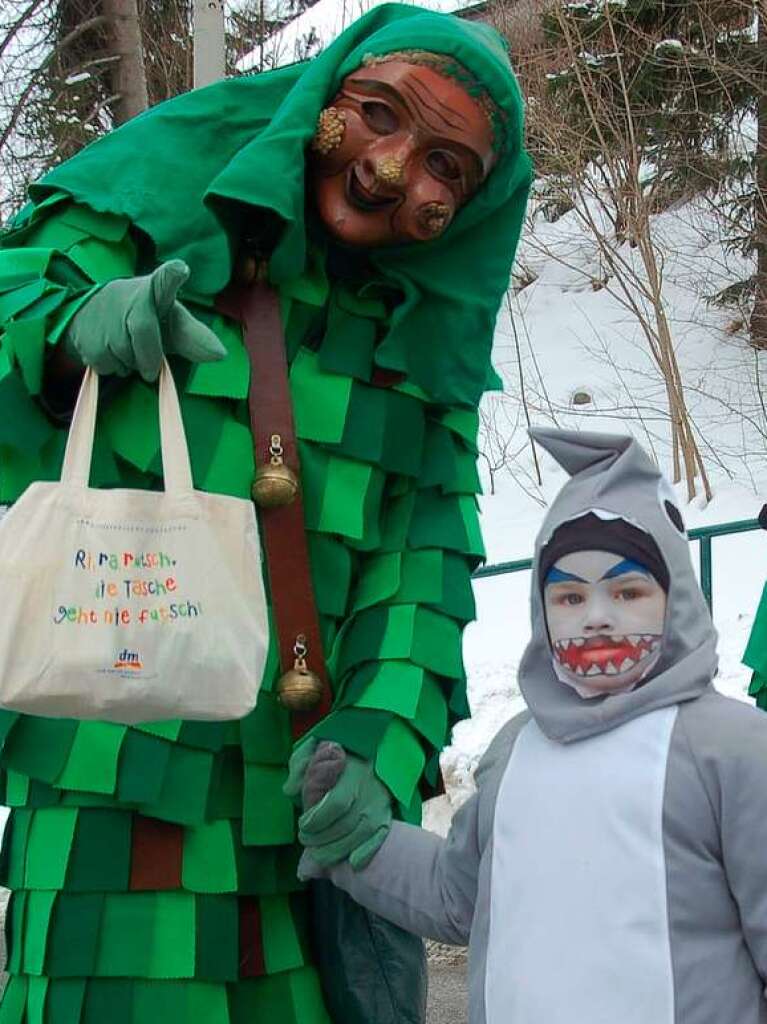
(611, 476)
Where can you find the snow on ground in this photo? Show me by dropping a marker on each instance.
(572, 338)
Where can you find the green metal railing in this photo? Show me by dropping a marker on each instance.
(703, 535)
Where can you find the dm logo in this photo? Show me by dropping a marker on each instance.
(128, 659)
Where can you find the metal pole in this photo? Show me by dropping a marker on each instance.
(209, 63)
(706, 569)
(501, 568)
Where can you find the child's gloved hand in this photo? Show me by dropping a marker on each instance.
(130, 323)
(348, 810)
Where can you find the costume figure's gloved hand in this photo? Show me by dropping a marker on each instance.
(300, 760)
(131, 322)
(347, 809)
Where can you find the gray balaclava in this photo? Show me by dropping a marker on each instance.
(611, 476)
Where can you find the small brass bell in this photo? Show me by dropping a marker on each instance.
(300, 689)
(276, 484)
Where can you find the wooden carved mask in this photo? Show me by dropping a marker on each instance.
(400, 150)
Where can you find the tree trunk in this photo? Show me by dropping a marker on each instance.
(758, 325)
(129, 81)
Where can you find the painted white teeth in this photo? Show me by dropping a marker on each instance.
(564, 644)
(625, 665)
(610, 669)
(579, 671)
(655, 645)
(618, 639)
(595, 670)
(578, 641)
(634, 638)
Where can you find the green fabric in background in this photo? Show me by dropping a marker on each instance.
(272, 820)
(75, 934)
(36, 994)
(39, 747)
(51, 835)
(14, 854)
(185, 787)
(755, 655)
(143, 763)
(217, 932)
(15, 923)
(210, 863)
(112, 999)
(37, 920)
(93, 758)
(100, 856)
(282, 950)
(65, 1000)
(399, 761)
(14, 1002)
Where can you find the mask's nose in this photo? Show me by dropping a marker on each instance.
(386, 162)
(389, 170)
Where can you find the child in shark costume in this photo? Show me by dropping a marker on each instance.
(612, 866)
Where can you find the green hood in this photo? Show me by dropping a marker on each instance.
(183, 170)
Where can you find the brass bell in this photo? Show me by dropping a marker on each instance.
(276, 484)
(300, 689)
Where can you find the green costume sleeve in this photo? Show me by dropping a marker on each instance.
(50, 265)
(396, 478)
(397, 660)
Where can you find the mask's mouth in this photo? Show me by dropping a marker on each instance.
(362, 198)
(605, 655)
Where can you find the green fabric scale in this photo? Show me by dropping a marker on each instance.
(390, 486)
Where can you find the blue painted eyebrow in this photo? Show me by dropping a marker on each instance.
(555, 575)
(624, 567)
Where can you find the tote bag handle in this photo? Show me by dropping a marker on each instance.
(76, 468)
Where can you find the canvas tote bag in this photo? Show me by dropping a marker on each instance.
(128, 605)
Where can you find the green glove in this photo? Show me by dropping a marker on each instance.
(129, 323)
(352, 819)
(297, 766)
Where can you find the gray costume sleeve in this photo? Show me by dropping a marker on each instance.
(728, 741)
(421, 882)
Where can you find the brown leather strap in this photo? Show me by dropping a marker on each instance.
(252, 963)
(157, 850)
(256, 307)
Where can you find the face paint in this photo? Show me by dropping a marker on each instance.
(605, 616)
(413, 149)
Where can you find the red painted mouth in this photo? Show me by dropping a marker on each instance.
(605, 655)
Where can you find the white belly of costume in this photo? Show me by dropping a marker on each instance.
(579, 923)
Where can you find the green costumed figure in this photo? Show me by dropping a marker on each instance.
(755, 656)
(153, 867)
